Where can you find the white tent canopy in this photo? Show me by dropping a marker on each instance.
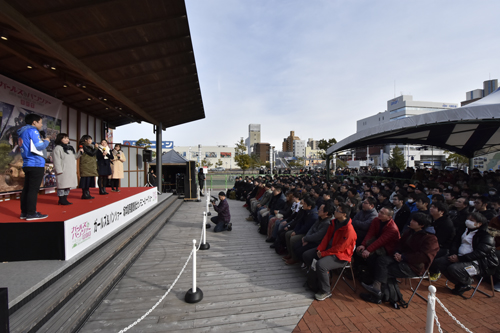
(472, 130)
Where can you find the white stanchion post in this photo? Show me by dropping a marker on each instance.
(204, 245)
(431, 308)
(208, 205)
(194, 295)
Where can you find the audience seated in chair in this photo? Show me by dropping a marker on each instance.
(472, 253)
(414, 253)
(335, 249)
(381, 240)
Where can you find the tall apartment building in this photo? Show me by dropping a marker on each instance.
(299, 148)
(253, 137)
(313, 144)
(287, 145)
(262, 150)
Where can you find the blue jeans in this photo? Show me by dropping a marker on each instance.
(220, 224)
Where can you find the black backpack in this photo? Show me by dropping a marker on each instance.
(392, 294)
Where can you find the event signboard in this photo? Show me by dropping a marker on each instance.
(17, 101)
(93, 227)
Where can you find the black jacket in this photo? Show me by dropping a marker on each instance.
(445, 231)
(483, 246)
(402, 217)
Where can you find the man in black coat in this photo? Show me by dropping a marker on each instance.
(401, 212)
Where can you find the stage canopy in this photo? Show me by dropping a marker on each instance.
(171, 158)
(121, 61)
(472, 130)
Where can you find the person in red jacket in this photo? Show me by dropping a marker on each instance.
(415, 251)
(381, 239)
(334, 250)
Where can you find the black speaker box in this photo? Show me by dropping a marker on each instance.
(4, 311)
(190, 181)
(147, 155)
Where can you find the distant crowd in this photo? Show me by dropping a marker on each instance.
(404, 224)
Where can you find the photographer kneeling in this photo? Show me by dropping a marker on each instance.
(222, 220)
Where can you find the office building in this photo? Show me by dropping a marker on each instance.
(262, 151)
(287, 145)
(415, 155)
(253, 137)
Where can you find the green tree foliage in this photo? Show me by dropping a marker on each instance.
(459, 160)
(324, 145)
(397, 160)
(144, 143)
(205, 163)
(219, 163)
(255, 161)
(240, 157)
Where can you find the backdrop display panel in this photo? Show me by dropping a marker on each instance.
(17, 101)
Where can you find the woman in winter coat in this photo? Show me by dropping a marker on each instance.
(88, 166)
(104, 158)
(117, 167)
(65, 157)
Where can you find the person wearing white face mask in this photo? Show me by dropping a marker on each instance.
(472, 253)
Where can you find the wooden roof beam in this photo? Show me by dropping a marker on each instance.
(171, 68)
(124, 27)
(67, 8)
(145, 61)
(144, 86)
(136, 46)
(19, 22)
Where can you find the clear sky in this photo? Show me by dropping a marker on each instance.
(317, 66)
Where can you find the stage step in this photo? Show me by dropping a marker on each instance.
(65, 304)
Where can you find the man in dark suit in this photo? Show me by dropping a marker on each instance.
(401, 212)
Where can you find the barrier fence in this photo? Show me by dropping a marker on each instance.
(194, 294)
(432, 316)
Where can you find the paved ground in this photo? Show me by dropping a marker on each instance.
(247, 288)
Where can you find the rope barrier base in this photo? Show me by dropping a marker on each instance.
(193, 297)
(205, 246)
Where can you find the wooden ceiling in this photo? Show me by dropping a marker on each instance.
(120, 60)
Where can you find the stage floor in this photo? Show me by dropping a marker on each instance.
(47, 204)
(24, 277)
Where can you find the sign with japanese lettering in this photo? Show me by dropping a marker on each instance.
(91, 228)
(164, 144)
(17, 101)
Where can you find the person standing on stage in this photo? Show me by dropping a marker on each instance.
(104, 157)
(65, 157)
(88, 166)
(117, 167)
(201, 180)
(33, 165)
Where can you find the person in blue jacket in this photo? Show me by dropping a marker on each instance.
(33, 165)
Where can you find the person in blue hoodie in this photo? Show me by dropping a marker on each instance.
(32, 147)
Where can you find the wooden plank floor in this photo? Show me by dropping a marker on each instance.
(246, 286)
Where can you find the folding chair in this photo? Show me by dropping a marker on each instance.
(347, 265)
(420, 279)
(477, 287)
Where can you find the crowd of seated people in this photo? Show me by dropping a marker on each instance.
(397, 226)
